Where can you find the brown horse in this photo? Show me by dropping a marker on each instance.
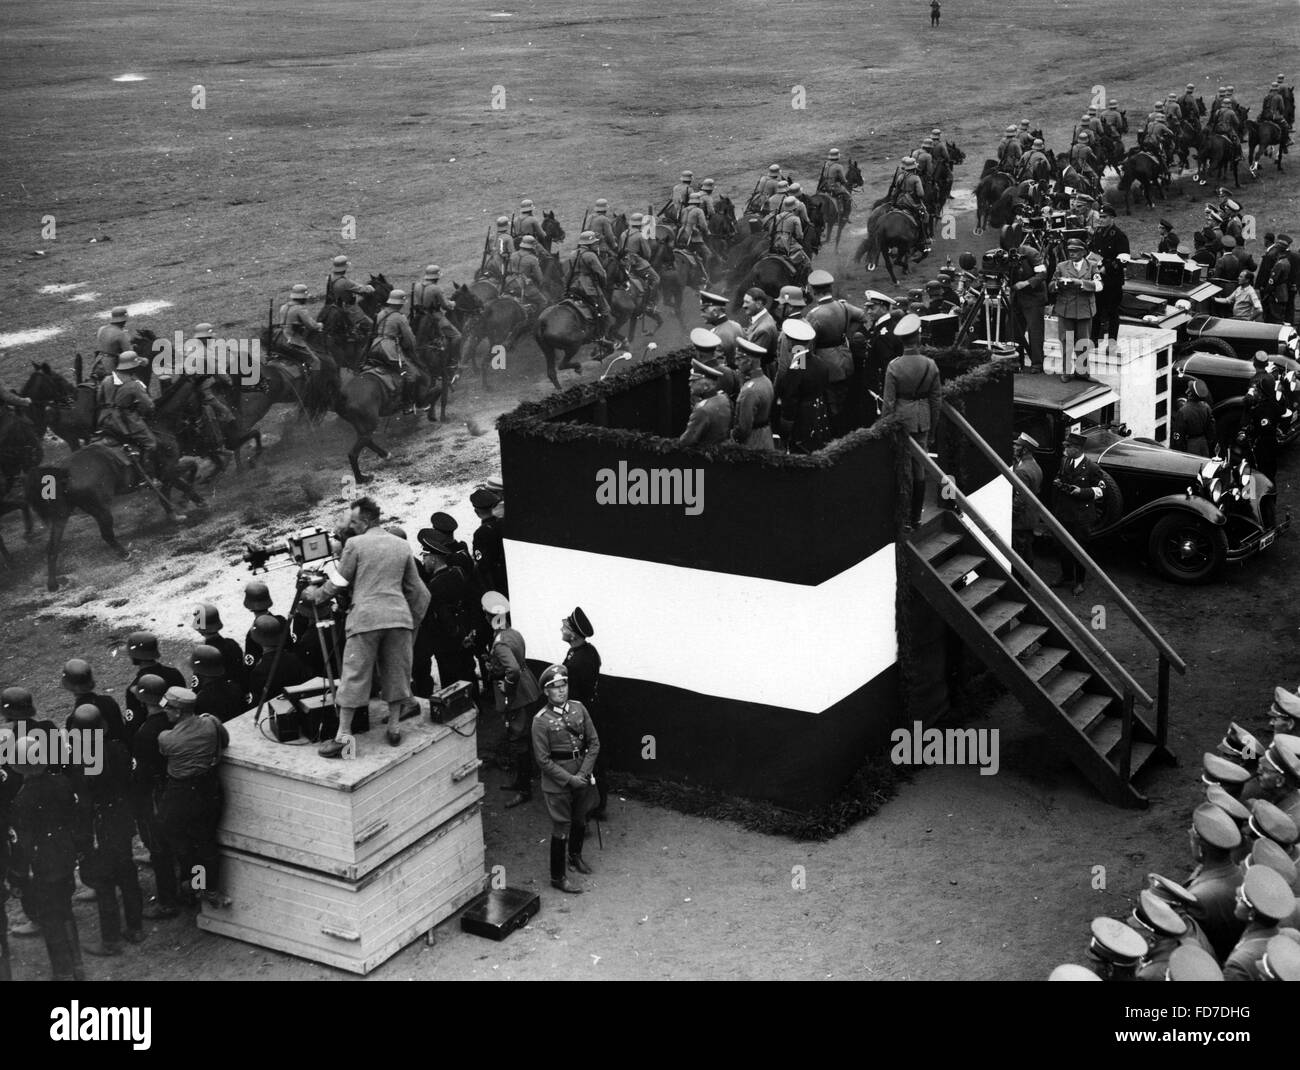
(21, 451)
(346, 348)
(180, 412)
(90, 480)
(1264, 134)
(1141, 167)
(891, 231)
(992, 184)
(1213, 158)
(364, 401)
(562, 329)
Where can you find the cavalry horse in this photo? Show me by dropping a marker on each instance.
(891, 230)
(21, 451)
(1214, 156)
(180, 411)
(1264, 134)
(1141, 167)
(834, 213)
(346, 348)
(993, 183)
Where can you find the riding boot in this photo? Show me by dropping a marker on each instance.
(559, 879)
(577, 836)
(74, 943)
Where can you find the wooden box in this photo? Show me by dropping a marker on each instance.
(345, 817)
(353, 925)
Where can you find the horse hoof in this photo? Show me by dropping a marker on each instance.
(124, 555)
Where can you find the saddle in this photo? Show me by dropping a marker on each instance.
(126, 474)
(585, 312)
(689, 259)
(289, 366)
(781, 258)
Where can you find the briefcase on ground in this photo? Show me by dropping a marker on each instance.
(451, 701)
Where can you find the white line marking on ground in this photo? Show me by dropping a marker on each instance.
(26, 338)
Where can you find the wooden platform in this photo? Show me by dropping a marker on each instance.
(285, 802)
(353, 925)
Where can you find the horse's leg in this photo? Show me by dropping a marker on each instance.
(103, 516)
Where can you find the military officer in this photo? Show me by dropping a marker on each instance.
(834, 320)
(1023, 516)
(1182, 902)
(752, 426)
(111, 341)
(1116, 949)
(713, 309)
(1263, 902)
(602, 226)
(913, 390)
(1192, 427)
(515, 693)
(79, 680)
(1281, 960)
(1189, 963)
(1215, 879)
(142, 648)
(710, 419)
(582, 663)
(124, 403)
(1110, 244)
(1075, 283)
(909, 195)
(270, 675)
(215, 388)
(1028, 280)
(346, 293)
(1160, 925)
(1034, 159)
(565, 748)
(1277, 779)
(446, 634)
(836, 178)
(489, 548)
(1078, 491)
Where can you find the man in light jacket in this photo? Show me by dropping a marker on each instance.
(1076, 283)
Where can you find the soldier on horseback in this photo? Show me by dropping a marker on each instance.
(295, 324)
(1025, 136)
(637, 255)
(346, 293)
(1274, 111)
(1084, 161)
(835, 180)
(1226, 122)
(924, 162)
(427, 299)
(767, 185)
(1034, 160)
(708, 198)
(801, 203)
(501, 248)
(1009, 151)
(1188, 106)
(692, 229)
(777, 199)
(524, 274)
(123, 404)
(939, 150)
(602, 227)
(682, 191)
(787, 236)
(1156, 138)
(1111, 119)
(216, 411)
(530, 224)
(111, 341)
(394, 348)
(908, 194)
(587, 283)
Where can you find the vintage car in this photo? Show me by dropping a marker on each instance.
(1190, 514)
(1238, 338)
(1228, 378)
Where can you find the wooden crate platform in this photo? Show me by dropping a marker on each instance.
(353, 925)
(345, 817)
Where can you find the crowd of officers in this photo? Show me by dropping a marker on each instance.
(1235, 916)
(807, 368)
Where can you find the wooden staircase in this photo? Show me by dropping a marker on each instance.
(1060, 683)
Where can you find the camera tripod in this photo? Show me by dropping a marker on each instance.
(980, 301)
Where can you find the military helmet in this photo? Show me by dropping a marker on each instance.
(1011, 128)
(149, 689)
(696, 198)
(206, 661)
(909, 163)
(268, 631)
(129, 361)
(927, 143)
(636, 219)
(587, 237)
(686, 176)
(433, 272)
(1083, 135)
(782, 184)
(527, 242)
(1038, 143)
(340, 264)
(708, 183)
(795, 188)
(1085, 116)
(257, 596)
(17, 702)
(118, 314)
(142, 646)
(207, 619)
(298, 292)
(203, 330)
(1112, 103)
(397, 298)
(774, 169)
(526, 205)
(78, 676)
(1191, 87)
(936, 132)
(789, 201)
(1092, 109)
(602, 205)
(503, 221)
(834, 154)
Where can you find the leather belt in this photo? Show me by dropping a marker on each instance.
(561, 756)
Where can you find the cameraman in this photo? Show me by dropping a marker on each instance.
(1028, 281)
(388, 600)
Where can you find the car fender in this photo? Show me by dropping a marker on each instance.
(1148, 514)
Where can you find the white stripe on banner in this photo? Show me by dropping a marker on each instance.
(737, 637)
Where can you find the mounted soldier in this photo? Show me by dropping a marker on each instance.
(111, 341)
(394, 349)
(1112, 120)
(637, 257)
(1174, 110)
(346, 293)
(787, 236)
(1157, 139)
(587, 283)
(765, 187)
(940, 149)
(682, 192)
(528, 223)
(1009, 151)
(1083, 160)
(1273, 111)
(1025, 136)
(1226, 122)
(908, 194)
(692, 229)
(524, 274)
(500, 248)
(123, 405)
(296, 323)
(776, 200)
(709, 197)
(602, 227)
(835, 180)
(796, 191)
(428, 299)
(925, 163)
(216, 390)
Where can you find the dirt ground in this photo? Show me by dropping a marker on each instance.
(383, 113)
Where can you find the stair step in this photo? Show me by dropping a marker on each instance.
(980, 591)
(1142, 753)
(1022, 637)
(1065, 684)
(1000, 613)
(1043, 662)
(1105, 735)
(936, 543)
(957, 566)
(1083, 710)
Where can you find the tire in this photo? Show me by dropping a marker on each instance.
(1186, 549)
(1112, 506)
(1210, 345)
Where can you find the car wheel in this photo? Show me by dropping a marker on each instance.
(1186, 549)
(1211, 345)
(1112, 504)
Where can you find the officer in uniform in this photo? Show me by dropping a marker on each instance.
(1181, 901)
(123, 403)
(345, 293)
(1078, 490)
(582, 664)
(1277, 779)
(1110, 243)
(257, 600)
(1281, 960)
(1034, 159)
(459, 556)
(142, 648)
(588, 285)
(1116, 949)
(1225, 121)
(914, 391)
(489, 549)
(1192, 427)
(1028, 280)
(756, 401)
(602, 226)
(207, 622)
(216, 693)
(515, 692)
(682, 191)
(713, 309)
(1075, 282)
(787, 236)
(218, 416)
(1023, 517)
(111, 341)
(394, 340)
(1273, 281)
(149, 777)
(296, 323)
(79, 680)
(1009, 151)
(446, 633)
(1260, 419)
(834, 319)
(710, 419)
(1161, 927)
(804, 382)
(634, 249)
(524, 274)
(1215, 879)
(565, 747)
(1263, 902)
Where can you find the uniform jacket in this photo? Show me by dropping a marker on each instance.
(344, 291)
(1075, 287)
(763, 331)
(588, 273)
(393, 335)
(1022, 516)
(514, 685)
(1078, 512)
(448, 619)
(583, 663)
(1243, 963)
(564, 731)
(833, 319)
(124, 403)
(384, 583)
(48, 819)
(490, 556)
(913, 389)
(753, 421)
(1193, 428)
(222, 698)
(1028, 267)
(601, 226)
(1215, 888)
(135, 713)
(709, 423)
(296, 322)
(150, 770)
(530, 224)
(289, 670)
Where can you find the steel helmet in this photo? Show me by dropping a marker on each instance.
(708, 183)
(602, 205)
(340, 264)
(587, 237)
(834, 154)
(207, 619)
(299, 292)
(774, 169)
(203, 330)
(432, 272)
(526, 205)
(909, 163)
(118, 314)
(503, 221)
(636, 219)
(396, 298)
(206, 661)
(78, 676)
(527, 242)
(142, 646)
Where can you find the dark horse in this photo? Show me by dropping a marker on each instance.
(769, 273)
(20, 452)
(562, 329)
(180, 411)
(1213, 158)
(365, 400)
(890, 230)
(1141, 167)
(346, 348)
(992, 184)
(89, 481)
(1264, 134)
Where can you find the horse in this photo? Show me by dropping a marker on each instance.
(836, 213)
(943, 175)
(1214, 154)
(627, 301)
(89, 481)
(502, 321)
(1141, 167)
(1264, 134)
(769, 273)
(364, 400)
(345, 348)
(890, 228)
(562, 329)
(1006, 207)
(21, 451)
(992, 184)
(180, 411)
(59, 406)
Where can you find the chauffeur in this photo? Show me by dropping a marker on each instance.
(565, 747)
(1079, 489)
